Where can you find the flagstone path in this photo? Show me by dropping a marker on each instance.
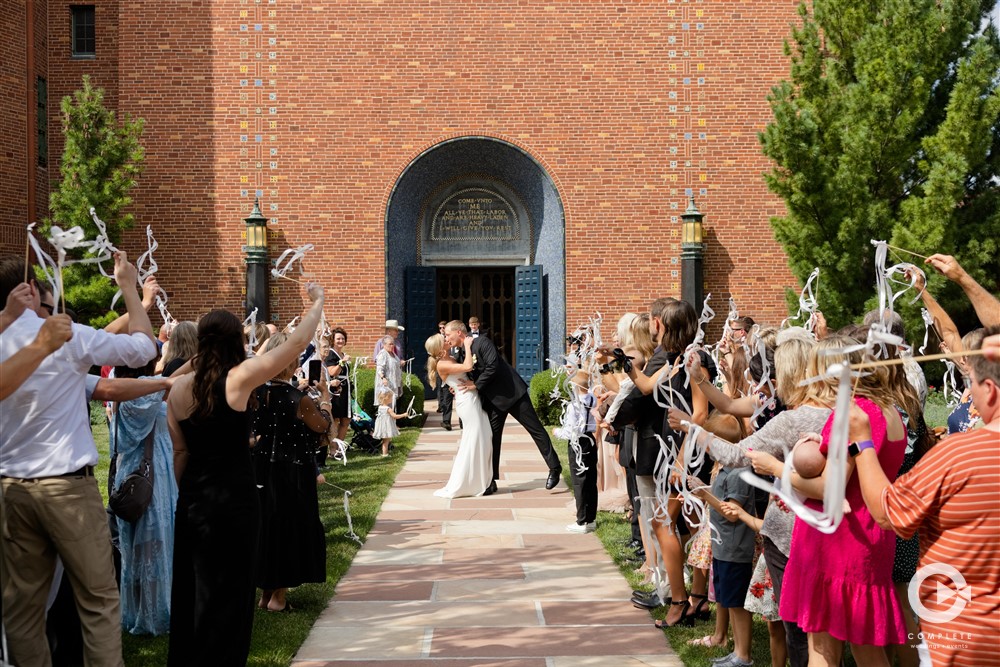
(494, 581)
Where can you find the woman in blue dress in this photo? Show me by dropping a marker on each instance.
(147, 546)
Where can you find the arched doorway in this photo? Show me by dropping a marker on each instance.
(475, 227)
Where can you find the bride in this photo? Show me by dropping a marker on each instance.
(472, 471)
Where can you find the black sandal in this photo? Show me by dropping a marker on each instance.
(700, 612)
(685, 619)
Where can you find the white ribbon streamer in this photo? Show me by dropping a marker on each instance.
(828, 519)
(288, 259)
(50, 269)
(251, 321)
(807, 303)
(928, 325)
(102, 247)
(341, 453)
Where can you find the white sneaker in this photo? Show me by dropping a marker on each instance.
(581, 527)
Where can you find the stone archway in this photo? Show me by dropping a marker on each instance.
(523, 224)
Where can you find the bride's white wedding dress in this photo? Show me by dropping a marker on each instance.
(472, 471)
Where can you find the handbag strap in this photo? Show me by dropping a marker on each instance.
(147, 444)
(113, 464)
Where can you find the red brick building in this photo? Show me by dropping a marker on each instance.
(466, 138)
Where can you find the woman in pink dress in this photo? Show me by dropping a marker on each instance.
(838, 587)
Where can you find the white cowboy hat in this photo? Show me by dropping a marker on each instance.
(394, 324)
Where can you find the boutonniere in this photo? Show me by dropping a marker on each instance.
(474, 360)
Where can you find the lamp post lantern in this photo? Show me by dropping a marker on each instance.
(258, 265)
(692, 252)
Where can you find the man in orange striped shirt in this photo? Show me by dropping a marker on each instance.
(953, 497)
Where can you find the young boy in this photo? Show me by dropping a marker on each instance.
(732, 560)
(579, 418)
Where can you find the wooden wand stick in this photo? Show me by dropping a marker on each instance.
(926, 357)
(910, 252)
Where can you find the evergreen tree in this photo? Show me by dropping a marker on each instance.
(889, 129)
(100, 164)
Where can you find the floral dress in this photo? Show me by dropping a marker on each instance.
(760, 595)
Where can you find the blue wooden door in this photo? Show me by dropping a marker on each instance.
(530, 321)
(421, 316)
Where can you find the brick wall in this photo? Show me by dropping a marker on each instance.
(626, 104)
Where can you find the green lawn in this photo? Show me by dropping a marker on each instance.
(277, 636)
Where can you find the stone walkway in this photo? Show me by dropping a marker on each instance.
(481, 581)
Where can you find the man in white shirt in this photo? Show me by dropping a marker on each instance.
(52, 505)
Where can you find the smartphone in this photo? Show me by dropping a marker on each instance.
(315, 367)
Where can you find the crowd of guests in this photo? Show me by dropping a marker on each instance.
(686, 425)
(233, 420)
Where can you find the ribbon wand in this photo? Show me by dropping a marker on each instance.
(27, 250)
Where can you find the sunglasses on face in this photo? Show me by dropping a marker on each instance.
(50, 308)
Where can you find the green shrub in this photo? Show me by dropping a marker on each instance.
(412, 388)
(97, 413)
(540, 391)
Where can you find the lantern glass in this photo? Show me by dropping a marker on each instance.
(691, 231)
(256, 236)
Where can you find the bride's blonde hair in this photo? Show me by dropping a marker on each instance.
(433, 345)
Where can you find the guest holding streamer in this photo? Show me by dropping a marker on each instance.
(217, 520)
(293, 544)
(147, 546)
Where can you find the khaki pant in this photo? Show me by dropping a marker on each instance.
(43, 518)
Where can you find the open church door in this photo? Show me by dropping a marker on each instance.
(530, 321)
(421, 317)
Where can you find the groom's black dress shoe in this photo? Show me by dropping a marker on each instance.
(446, 427)
(491, 489)
(646, 600)
(553, 478)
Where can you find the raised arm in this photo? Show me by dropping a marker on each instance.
(987, 306)
(125, 276)
(646, 384)
(942, 320)
(255, 371)
(149, 290)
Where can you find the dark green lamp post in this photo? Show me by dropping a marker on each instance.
(692, 252)
(258, 265)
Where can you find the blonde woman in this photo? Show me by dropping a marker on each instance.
(181, 347)
(472, 471)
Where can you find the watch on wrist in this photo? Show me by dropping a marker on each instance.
(856, 448)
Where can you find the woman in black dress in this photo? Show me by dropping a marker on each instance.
(218, 516)
(340, 382)
(292, 543)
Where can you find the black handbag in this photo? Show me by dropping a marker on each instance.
(130, 500)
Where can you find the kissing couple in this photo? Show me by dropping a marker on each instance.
(486, 390)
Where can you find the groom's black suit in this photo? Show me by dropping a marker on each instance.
(503, 392)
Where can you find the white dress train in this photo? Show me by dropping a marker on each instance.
(472, 471)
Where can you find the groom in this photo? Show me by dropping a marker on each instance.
(503, 392)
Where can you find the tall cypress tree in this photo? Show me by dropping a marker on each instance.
(888, 128)
(100, 164)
